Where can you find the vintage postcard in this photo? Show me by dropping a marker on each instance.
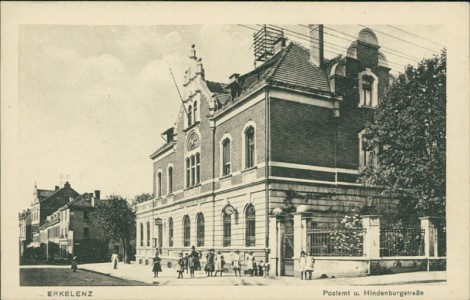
(235, 150)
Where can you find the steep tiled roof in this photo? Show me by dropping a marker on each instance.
(83, 200)
(216, 87)
(297, 70)
(161, 149)
(43, 194)
(289, 67)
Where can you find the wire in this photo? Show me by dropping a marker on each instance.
(416, 35)
(433, 51)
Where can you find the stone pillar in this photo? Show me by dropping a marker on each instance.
(273, 245)
(371, 246)
(430, 238)
(297, 241)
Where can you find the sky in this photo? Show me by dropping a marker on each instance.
(94, 100)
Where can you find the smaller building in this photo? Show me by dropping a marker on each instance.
(25, 230)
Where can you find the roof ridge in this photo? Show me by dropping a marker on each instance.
(276, 67)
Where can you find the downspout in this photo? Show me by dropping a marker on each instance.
(213, 183)
(267, 159)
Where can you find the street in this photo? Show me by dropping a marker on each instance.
(102, 274)
(63, 276)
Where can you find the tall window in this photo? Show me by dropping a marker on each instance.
(200, 230)
(148, 234)
(367, 82)
(190, 115)
(159, 184)
(86, 232)
(188, 172)
(170, 232)
(193, 170)
(141, 234)
(226, 157)
(186, 231)
(250, 147)
(198, 168)
(195, 111)
(170, 180)
(250, 218)
(364, 150)
(227, 230)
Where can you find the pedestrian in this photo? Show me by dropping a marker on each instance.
(302, 264)
(115, 259)
(266, 269)
(157, 267)
(236, 263)
(195, 255)
(192, 265)
(260, 268)
(74, 264)
(310, 266)
(180, 269)
(219, 263)
(186, 263)
(255, 267)
(249, 263)
(209, 268)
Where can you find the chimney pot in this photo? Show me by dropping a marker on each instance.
(97, 194)
(316, 44)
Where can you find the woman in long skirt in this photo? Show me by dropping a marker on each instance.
(209, 268)
(157, 267)
(219, 263)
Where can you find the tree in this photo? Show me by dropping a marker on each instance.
(116, 220)
(407, 139)
(141, 198)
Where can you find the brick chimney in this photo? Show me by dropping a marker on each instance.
(316, 44)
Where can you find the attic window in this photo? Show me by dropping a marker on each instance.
(368, 89)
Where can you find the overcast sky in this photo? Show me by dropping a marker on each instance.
(93, 100)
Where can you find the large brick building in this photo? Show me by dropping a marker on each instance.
(248, 156)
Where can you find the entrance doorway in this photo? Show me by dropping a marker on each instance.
(287, 249)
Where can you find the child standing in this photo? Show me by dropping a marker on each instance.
(302, 264)
(309, 267)
(192, 265)
(180, 269)
(74, 264)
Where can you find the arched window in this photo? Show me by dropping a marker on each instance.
(250, 218)
(200, 230)
(226, 157)
(193, 170)
(250, 147)
(186, 231)
(141, 234)
(190, 115)
(148, 234)
(170, 232)
(159, 184)
(195, 111)
(368, 89)
(170, 180)
(227, 229)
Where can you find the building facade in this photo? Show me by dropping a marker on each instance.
(249, 158)
(25, 230)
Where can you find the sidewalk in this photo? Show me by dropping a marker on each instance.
(144, 273)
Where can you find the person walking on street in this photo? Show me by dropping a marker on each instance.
(236, 263)
(115, 259)
(156, 265)
(186, 263)
(74, 264)
(302, 265)
(180, 269)
(219, 263)
(195, 256)
(209, 268)
(192, 265)
(309, 267)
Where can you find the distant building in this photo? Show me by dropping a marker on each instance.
(46, 202)
(25, 230)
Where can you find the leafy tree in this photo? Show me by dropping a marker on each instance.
(347, 237)
(141, 198)
(116, 220)
(407, 139)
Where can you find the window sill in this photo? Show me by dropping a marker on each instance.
(223, 177)
(192, 187)
(367, 106)
(249, 169)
